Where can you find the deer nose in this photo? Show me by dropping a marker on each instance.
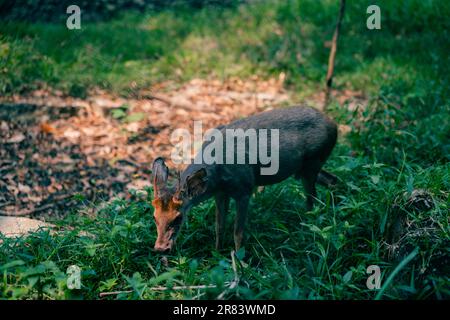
(165, 247)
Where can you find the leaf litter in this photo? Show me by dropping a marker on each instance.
(57, 152)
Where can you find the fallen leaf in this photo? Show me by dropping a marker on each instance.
(23, 188)
(16, 138)
(71, 134)
(47, 128)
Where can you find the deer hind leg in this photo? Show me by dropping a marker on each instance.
(222, 204)
(308, 175)
(239, 223)
(309, 183)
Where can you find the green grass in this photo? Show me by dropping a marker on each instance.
(321, 254)
(398, 143)
(264, 38)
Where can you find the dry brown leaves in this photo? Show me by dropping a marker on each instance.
(52, 147)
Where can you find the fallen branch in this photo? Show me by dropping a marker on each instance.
(185, 105)
(104, 294)
(5, 204)
(112, 293)
(26, 212)
(33, 211)
(233, 284)
(149, 96)
(7, 168)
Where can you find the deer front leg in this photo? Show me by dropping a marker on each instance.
(222, 202)
(239, 222)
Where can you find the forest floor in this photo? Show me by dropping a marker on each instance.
(56, 146)
(83, 115)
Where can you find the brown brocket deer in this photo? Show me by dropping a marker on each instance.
(306, 138)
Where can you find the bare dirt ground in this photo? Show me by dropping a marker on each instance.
(53, 148)
(58, 153)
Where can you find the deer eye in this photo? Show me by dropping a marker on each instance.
(182, 193)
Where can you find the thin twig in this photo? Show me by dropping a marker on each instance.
(5, 204)
(7, 168)
(112, 293)
(155, 97)
(233, 283)
(333, 55)
(104, 294)
(26, 212)
(33, 211)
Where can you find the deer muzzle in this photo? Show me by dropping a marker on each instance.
(165, 241)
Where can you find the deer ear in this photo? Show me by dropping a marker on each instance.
(160, 174)
(197, 182)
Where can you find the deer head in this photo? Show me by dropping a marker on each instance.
(171, 204)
